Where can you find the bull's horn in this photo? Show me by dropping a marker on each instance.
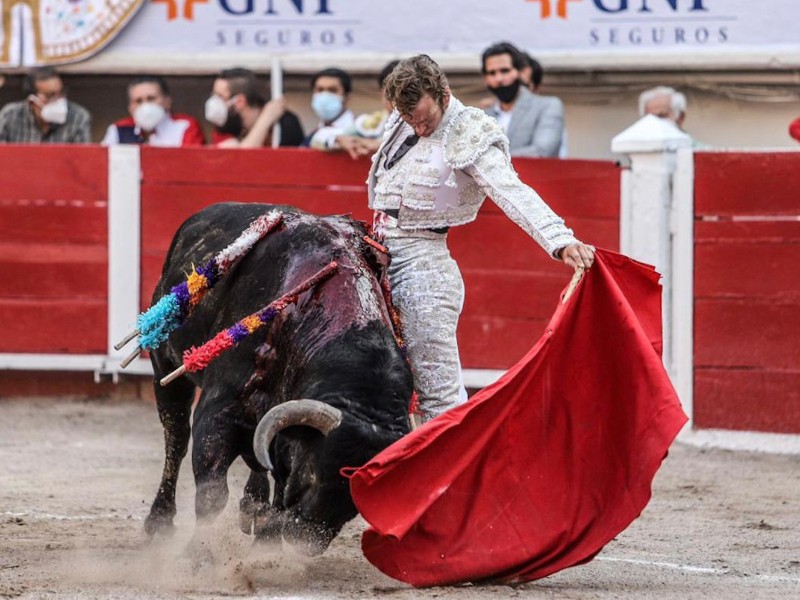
(310, 413)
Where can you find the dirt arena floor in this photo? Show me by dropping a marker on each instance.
(77, 479)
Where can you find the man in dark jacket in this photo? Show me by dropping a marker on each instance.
(242, 116)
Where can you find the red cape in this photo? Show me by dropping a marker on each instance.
(540, 470)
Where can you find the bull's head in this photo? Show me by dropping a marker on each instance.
(315, 497)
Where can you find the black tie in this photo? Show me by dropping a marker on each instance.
(407, 144)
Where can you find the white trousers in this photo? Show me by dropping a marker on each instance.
(428, 293)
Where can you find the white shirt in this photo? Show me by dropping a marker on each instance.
(324, 137)
(503, 117)
(168, 133)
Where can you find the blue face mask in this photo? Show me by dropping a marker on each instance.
(327, 105)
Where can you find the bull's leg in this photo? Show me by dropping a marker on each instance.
(213, 451)
(174, 404)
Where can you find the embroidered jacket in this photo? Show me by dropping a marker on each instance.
(443, 180)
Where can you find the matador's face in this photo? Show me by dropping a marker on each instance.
(426, 116)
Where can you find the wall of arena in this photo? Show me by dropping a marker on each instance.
(84, 230)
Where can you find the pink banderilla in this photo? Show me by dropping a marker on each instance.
(197, 359)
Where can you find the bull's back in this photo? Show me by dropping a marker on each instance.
(199, 239)
(203, 235)
(293, 251)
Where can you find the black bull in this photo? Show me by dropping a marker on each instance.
(335, 349)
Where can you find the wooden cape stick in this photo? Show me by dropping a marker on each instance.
(576, 278)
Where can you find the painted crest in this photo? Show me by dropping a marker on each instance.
(46, 32)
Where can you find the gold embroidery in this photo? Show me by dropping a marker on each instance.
(66, 32)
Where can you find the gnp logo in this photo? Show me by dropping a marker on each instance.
(616, 23)
(269, 8)
(282, 25)
(548, 6)
(559, 7)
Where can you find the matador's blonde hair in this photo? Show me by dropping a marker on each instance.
(411, 79)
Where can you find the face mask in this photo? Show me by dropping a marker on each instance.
(327, 105)
(55, 112)
(506, 93)
(147, 115)
(216, 110)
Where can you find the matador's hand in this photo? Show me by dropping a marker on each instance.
(577, 255)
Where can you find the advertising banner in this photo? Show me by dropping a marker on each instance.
(214, 28)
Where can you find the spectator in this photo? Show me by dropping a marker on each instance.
(794, 129)
(242, 116)
(364, 137)
(45, 116)
(150, 120)
(331, 88)
(534, 124)
(667, 103)
(663, 102)
(531, 72)
(531, 75)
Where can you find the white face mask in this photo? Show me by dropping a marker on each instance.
(54, 112)
(147, 115)
(217, 110)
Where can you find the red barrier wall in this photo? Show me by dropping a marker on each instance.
(53, 257)
(747, 296)
(54, 236)
(512, 287)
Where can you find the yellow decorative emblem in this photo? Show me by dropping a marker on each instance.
(47, 32)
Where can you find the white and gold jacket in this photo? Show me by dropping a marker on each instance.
(443, 180)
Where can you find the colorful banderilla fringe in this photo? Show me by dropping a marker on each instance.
(166, 315)
(197, 359)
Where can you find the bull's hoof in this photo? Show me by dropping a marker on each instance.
(247, 514)
(259, 519)
(158, 524)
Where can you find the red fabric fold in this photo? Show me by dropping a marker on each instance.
(543, 468)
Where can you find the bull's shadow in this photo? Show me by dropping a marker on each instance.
(334, 350)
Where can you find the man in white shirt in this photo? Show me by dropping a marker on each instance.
(331, 88)
(150, 120)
